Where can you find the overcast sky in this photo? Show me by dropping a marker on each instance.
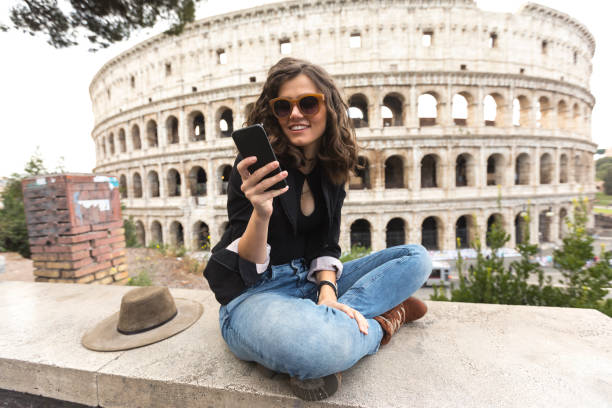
(44, 98)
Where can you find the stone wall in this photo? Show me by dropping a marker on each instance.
(75, 228)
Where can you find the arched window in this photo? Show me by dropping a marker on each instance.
(157, 236)
(544, 225)
(430, 233)
(152, 133)
(153, 184)
(576, 118)
(562, 223)
(493, 110)
(460, 109)
(493, 219)
(137, 185)
(201, 236)
(396, 234)
(495, 170)
(562, 115)
(394, 172)
(123, 186)
(361, 179)
(546, 169)
(140, 233)
(172, 129)
(464, 231)
(429, 171)
(136, 138)
(464, 170)
(543, 113)
(392, 110)
(578, 169)
(224, 176)
(103, 151)
(427, 109)
(197, 181)
(197, 128)
(111, 143)
(177, 235)
(563, 164)
(520, 228)
(522, 169)
(174, 183)
(358, 110)
(520, 111)
(226, 122)
(360, 234)
(122, 144)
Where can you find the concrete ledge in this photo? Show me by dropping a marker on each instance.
(472, 355)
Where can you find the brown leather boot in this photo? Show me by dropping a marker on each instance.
(409, 310)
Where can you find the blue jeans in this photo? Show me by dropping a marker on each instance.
(278, 324)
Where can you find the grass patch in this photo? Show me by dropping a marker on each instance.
(603, 199)
(356, 252)
(143, 279)
(602, 210)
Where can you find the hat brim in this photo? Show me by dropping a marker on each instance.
(105, 337)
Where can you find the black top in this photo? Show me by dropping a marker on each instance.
(289, 236)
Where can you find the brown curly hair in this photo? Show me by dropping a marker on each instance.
(338, 148)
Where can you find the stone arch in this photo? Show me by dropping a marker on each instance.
(111, 143)
(546, 169)
(153, 184)
(430, 174)
(103, 147)
(522, 169)
(465, 231)
(562, 222)
(520, 111)
(431, 233)
(358, 110)
(122, 143)
(197, 181)
(563, 168)
(225, 121)
(137, 185)
(543, 113)
(495, 169)
(136, 144)
(428, 108)
(223, 174)
(197, 127)
(544, 225)
(140, 233)
(152, 133)
(578, 169)
(396, 232)
(562, 115)
(173, 181)
(393, 103)
(463, 109)
(521, 228)
(201, 236)
(177, 234)
(157, 235)
(464, 170)
(394, 172)
(361, 179)
(493, 218)
(361, 233)
(123, 187)
(493, 108)
(172, 129)
(576, 122)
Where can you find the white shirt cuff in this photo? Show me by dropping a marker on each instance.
(261, 268)
(324, 263)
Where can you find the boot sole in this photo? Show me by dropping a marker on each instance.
(316, 389)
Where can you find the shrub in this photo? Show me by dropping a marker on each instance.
(129, 227)
(356, 252)
(142, 279)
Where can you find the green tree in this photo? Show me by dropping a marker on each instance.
(608, 182)
(131, 239)
(102, 23)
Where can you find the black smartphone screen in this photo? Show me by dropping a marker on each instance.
(253, 141)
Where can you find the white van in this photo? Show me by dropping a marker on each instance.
(440, 274)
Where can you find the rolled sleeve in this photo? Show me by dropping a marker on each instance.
(324, 263)
(260, 268)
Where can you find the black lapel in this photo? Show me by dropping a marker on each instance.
(289, 202)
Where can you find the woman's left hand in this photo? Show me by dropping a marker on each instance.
(352, 313)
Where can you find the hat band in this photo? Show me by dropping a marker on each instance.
(147, 328)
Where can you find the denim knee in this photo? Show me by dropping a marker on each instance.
(419, 259)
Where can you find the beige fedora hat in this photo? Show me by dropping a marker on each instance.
(147, 315)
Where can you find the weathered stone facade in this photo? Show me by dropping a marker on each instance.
(509, 95)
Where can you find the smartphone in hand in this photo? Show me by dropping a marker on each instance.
(253, 141)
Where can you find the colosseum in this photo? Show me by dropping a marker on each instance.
(464, 116)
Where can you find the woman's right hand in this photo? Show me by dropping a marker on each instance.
(254, 185)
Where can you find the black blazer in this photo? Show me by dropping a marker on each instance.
(229, 275)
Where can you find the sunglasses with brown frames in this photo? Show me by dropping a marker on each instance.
(307, 104)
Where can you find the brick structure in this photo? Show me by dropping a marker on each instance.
(75, 228)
